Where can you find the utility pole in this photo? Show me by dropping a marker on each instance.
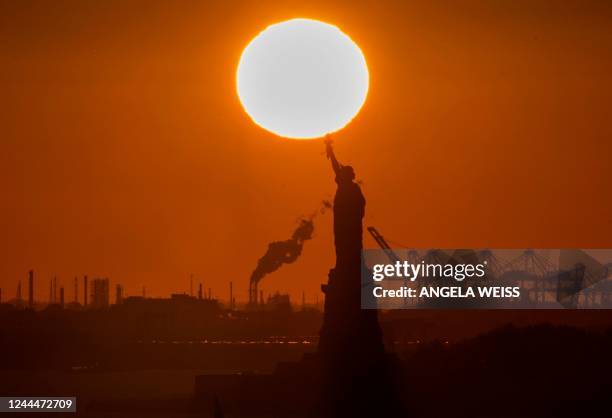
(31, 288)
(231, 298)
(85, 298)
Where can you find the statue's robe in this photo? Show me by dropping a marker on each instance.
(349, 208)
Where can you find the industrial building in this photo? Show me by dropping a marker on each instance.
(100, 294)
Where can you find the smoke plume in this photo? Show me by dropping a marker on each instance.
(286, 252)
(325, 206)
(283, 252)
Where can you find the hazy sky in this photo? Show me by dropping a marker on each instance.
(124, 151)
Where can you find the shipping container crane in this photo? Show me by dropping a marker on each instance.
(382, 243)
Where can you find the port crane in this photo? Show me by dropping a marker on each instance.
(382, 243)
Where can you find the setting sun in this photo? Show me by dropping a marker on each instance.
(302, 79)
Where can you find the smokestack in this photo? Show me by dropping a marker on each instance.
(85, 298)
(55, 289)
(231, 296)
(18, 295)
(200, 292)
(279, 253)
(50, 291)
(30, 288)
(62, 296)
(119, 294)
(76, 290)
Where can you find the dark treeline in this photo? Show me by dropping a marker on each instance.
(533, 371)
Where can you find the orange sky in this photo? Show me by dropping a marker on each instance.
(124, 151)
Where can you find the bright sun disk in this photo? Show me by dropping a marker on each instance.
(302, 79)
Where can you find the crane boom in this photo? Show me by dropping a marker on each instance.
(382, 243)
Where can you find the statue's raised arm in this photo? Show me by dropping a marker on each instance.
(330, 154)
